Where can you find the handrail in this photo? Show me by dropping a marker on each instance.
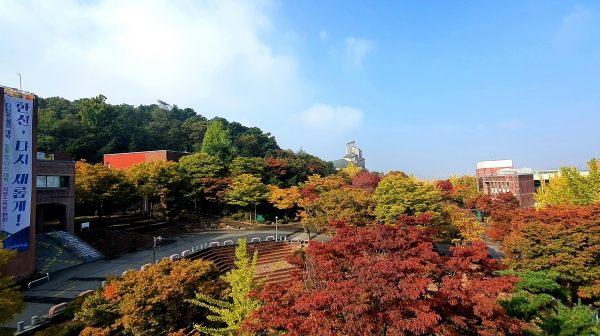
(62, 241)
(40, 279)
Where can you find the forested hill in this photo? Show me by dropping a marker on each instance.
(89, 128)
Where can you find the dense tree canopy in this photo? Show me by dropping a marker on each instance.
(151, 302)
(387, 280)
(349, 204)
(217, 141)
(366, 181)
(399, 194)
(570, 187)
(101, 189)
(91, 127)
(561, 239)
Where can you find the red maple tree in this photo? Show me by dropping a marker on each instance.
(501, 209)
(388, 280)
(277, 166)
(446, 187)
(215, 188)
(366, 181)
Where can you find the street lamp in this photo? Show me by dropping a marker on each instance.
(159, 238)
(275, 228)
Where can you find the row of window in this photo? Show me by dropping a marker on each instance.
(52, 181)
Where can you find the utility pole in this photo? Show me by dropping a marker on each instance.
(20, 83)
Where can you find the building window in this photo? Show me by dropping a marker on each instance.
(51, 181)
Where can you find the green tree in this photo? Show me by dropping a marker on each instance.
(565, 321)
(195, 128)
(194, 169)
(246, 190)
(102, 189)
(533, 295)
(217, 141)
(98, 121)
(11, 301)
(399, 194)
(233, 312)
(154, 180)
(353, 205)
(249, 165)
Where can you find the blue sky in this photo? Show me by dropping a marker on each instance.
(429, 88)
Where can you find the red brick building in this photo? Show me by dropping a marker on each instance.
(495, 177)
(125, 160)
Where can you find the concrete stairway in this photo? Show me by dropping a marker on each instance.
(270, 263)
(77, 246)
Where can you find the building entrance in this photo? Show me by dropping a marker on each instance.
(51, 217)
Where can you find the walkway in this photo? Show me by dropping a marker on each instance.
(67, 284)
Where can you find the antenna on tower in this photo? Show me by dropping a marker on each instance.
(354, 139)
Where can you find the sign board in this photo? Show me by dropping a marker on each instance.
(259, 218)
(85, 225)
(17, 163)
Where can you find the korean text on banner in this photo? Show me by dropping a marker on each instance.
(17, 176)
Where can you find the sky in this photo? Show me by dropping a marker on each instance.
(428, 87)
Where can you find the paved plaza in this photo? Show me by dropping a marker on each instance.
(66, 284)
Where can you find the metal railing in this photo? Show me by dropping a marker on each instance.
(87, 256)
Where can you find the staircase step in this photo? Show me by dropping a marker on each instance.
(80, 248)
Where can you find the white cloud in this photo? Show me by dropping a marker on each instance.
(357, 49)
(323, 35)
(576, 25)
(332, 118)
(512, 125)
(206, 55)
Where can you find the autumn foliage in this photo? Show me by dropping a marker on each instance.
(152, 302)
(562, 239)
(500, 209)
(366, 181)
(388, 280)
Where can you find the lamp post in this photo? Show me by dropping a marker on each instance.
(275, 228)
(159, 238)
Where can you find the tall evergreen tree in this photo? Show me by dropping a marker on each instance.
(217, 142)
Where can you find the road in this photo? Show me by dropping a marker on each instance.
(67, 284)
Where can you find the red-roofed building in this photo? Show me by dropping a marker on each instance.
(126, 160)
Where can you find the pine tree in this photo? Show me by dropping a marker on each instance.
(241, 280)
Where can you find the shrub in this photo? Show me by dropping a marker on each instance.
(69, 328)
(187, 217)
(133, 243)
(112, 248)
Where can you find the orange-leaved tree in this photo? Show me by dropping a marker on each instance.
(388, 280)
(562, 239)
(499, 209)
(152, 302)
(284, 198)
